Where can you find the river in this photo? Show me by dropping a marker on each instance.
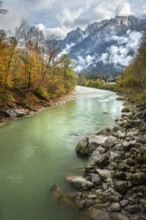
(37, 152)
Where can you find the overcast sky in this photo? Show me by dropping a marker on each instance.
(60, 16)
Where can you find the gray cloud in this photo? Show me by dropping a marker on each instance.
(120, 54)
(60, 16)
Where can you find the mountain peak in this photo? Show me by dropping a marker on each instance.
(107, 46)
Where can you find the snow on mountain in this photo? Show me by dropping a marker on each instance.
(105, 47)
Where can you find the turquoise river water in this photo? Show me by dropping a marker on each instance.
(37, 152)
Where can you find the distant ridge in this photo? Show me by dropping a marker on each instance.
(104, 47)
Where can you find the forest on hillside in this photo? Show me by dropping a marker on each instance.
(132, 81)
(30, 66)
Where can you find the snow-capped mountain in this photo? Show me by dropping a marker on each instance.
(105, 47)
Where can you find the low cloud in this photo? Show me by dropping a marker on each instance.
(123, 50)
(119, 54)
(62, 16)
(84, 62)
(125, 9)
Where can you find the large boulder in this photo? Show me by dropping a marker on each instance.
(133, 209)
(115, 207)
(84, 148)
(109, 195)
(138, 178)
(121, 186)
(79, 182)
(96, 179)
(102, 161)
(110, 142)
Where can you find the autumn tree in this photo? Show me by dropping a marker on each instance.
(30, 64)
(133, 80)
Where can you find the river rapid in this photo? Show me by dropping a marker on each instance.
(37, 152)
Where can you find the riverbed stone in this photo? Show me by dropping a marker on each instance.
(84, 148)
(104, 131)
(102, 161)
(105, 174)
(110, 142)
(109, 195)
(121, 134)
(125, 109)
(133, 209)
(124, 203)
(79, 182)
(119, 175)
(118, 170)
(115, 207)
(138, 178)
(121, 186)
(96, 179)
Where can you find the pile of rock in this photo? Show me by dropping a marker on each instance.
(114, 182)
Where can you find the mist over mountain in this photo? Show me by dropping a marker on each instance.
(104, 47)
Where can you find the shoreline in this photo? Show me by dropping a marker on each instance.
(113, 184)
(15, 112)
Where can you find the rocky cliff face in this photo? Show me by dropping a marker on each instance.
(105, 47)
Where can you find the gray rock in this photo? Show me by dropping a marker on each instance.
(102, 161)
(143, 149)
(143, 139)
(120, 134)
(123, 166)
(79, 199)
(124, 203)
(121, 186)
(138, 178)
(133, 209)
(114, 156)
(98, 139)
(96, 179)
(119, 175)
(88, 203)
(130, 161)
(79, 182)
(101, 150)
(125, 110)
(84, 148)
(110, 142)
(92, 196)
(103, 131)
(115, 207)
(16, 113)
(90, 168)
(105, 174)
(143, 203)
(110, 195)
(142, 115)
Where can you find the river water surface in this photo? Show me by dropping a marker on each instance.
(38, 152)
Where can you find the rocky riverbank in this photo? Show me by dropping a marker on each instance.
(113, 185)
(27, 109)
